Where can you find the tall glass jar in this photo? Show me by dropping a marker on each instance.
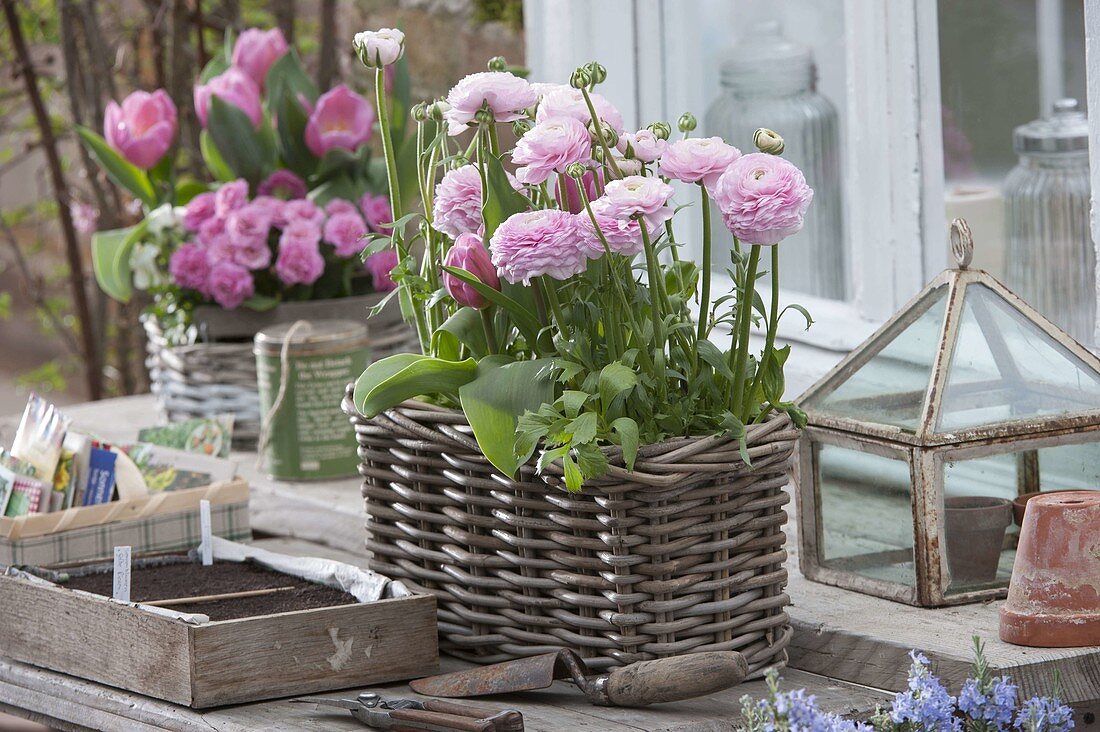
(769, 81)
(1051, 258)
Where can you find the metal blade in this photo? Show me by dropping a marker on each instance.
(524, 674)
(342, 703)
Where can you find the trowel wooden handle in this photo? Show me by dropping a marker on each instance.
(676, 678)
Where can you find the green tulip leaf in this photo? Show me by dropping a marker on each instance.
(111, 252)
(129, 176)
(527, 323)
(246, 150)
(213, 159)
(390, 381)
(502, 200)
(463, 328)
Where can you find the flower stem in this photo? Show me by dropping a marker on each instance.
(704, 297)
(540, 301)
(773, 325)
(551, 292)
(490, 332)
(598, 129)
(654, 271)
(739, 348)
(387, 142)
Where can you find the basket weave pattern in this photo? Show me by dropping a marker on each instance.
(684, 554)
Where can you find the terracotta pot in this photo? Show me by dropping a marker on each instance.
(1054, 595)
(1020, 503)
(975, 530)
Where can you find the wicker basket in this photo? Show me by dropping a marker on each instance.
(683, 555)
(218, 375)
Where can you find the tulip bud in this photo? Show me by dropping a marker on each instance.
(661, 130)
(497, 63)
(768, 141)
(610, 136)
(687, 122)
(469, 253)
(419, 112)
(580, 79)
(596, 72)
(521, 127)
(576, 170)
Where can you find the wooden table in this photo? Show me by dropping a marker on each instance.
(850, 650)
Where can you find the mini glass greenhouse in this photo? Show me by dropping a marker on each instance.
(920, 440)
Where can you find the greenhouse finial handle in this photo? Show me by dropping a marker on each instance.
(962, 243)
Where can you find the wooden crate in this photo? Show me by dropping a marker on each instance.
(219, 662)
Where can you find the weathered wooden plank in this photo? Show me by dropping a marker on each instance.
(94, 638)
(300, 652)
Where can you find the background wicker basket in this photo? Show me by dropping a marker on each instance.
(218, 374)
(684, 554)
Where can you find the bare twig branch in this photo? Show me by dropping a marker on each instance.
(326, 66)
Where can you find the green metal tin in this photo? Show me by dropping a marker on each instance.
(305, 436)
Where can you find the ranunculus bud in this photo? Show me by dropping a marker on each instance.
(610, 136)
(419, 112)
(470, 254)
(576, 170)
(768, 141)
(661, 130)
(687, 122)
(580, 79)
(484, 116)
(596, 72)
(497, 63)
(521, 127)
(630, 166)
(379, 48)
(437, 109)
(142, 128)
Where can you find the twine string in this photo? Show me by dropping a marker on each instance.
(284, 379)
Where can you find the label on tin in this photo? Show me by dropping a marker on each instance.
(310, 437)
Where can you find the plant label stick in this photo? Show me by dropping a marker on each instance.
(204, 526)
(122, 574)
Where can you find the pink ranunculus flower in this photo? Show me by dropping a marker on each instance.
(562, 100)
(198, 211)
(763, 198)
(229, 197)
(507, 95)
(341, 119)
(642, 145)
(301, 209)
(143, 128)
(535, 243)
(637, 195)
(268, 204)
(283, 184)
(247, 228)
(232, 86)
(623, 235)
(549, 147)
(230, 284)
(257, 50)
(457, 205)
(340, 205)
(469, 253)
(381, 264)
(300, 261)
(189, 267)
(376, 210)
(211, 231)
(345, 232)
(698, 160)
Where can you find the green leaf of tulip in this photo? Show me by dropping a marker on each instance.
(124, 173)
(213, 159)
(501, 200)
(111, 252)
(261, 303)
(463, 328)
(392, 380)
(527, 323)
(247, 151)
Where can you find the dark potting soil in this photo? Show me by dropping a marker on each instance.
(170, 581)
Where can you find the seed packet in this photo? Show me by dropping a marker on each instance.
(26, 496)
(101, 476)
(210, 436)
(7, 483)
(167, 469)
(40, 434)
(15, 465)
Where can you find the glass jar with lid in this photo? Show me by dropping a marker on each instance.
(1051, 259)
(770, 81)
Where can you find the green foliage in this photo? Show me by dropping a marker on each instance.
(392, 380)
(248, 152)
(509, 12)
(125, 174)
(111, 260)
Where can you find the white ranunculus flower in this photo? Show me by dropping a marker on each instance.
(379, 48)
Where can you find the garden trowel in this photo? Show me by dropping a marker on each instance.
(639, 684)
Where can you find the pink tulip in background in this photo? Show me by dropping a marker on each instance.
(256, 50)
(763, 198)
(341, 119)
(142, 128)
(234, 87)
(283, 184)
(469, 253)
(570, 199)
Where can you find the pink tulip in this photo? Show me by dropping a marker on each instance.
(143, 128)
(234, 87)
(469, 253)
(256, 51)
(341, 119)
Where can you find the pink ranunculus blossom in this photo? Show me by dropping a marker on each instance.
(623, 235)
(381, 264)
(85, 217)
(642, 145)
(212, 231)
(250, 253)
(143, 128)
(341, 119)
(698, 160)
(247, 228)
(535, 243)
(507, 96)
(232, 86)
(345, 231)
(376, 210)
(257, 50)
(763, 198)
(299, 210)
(382, 47)
(571, 200)
(283, 184)
(469, 253)
(637, 195)
(562, 100)
(549, 147)
(230, 197)
(457, 206)
(340, 205)
(198, 210)
(230, 284)
(268, 204)
(300, 261)
(189, 267)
